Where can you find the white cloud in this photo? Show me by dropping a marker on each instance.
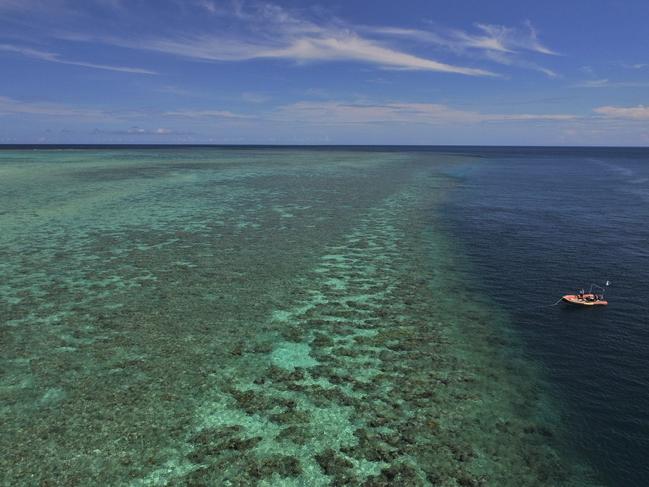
(335, 112)
(266, 31)
(639, 112)
(307, 112)
(142, 131)
(209, 5)
(55, 58)
(489, 38)
(11, 106)
(606, 83)
(197, 114)
(352, 47)
(258, 30)
(504, 39)
(136, 130)
(43, 109)
(548, 72)
(594, 83)
(326, 46)
(496, 43)
(532, 41)
(509, 59)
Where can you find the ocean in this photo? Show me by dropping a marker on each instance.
(322, 316)
(539, 223)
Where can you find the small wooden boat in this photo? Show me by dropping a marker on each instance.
(586, 299)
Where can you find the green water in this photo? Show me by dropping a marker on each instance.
(254, 317)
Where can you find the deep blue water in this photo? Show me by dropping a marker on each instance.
(538, 223)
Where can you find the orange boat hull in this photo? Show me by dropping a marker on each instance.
(584, 300)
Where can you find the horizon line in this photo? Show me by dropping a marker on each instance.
(4, 146)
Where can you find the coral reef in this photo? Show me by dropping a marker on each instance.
(226, 317)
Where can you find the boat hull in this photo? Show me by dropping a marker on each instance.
(584, 300)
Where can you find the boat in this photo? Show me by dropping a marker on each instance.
(586, 299)
(589, 298)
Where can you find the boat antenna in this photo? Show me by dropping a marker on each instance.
(603, 289)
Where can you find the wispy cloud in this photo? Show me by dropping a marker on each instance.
(639, 112)
(593, 83)
(136, 130)
(329, 46)
(210, 6)
(497, 43)
(266, 31)
(213, 114)
(258, 30)
(312, 112)
(58, 111)
(606, 83)
(515, 60)
(502, 38)
(11, 106)
(336, 112)
(56, 58)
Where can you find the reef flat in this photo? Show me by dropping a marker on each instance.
(255, 317)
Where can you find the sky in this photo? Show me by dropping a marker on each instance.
(432, 72)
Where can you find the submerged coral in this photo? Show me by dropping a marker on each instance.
(227, 318)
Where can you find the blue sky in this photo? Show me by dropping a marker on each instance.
(331, 72)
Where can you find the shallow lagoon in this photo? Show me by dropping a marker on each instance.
(210, 316)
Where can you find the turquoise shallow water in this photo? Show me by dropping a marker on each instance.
(211, 316)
